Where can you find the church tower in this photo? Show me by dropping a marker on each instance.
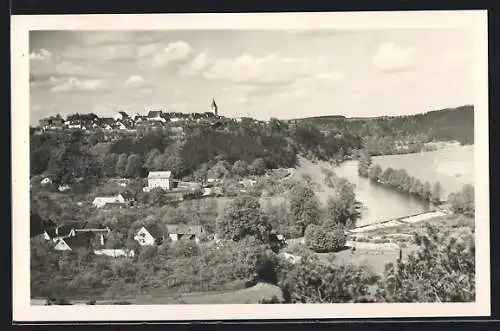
(213, 107)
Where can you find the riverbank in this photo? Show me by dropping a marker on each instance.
(398, 222)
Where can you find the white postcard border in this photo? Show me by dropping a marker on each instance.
(475, 21)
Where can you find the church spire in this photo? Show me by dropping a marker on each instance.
(213, 107)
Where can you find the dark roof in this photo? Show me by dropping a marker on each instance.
(213, 103)
(127, 195)
(154, 113)
(124, 114)
(81, 240)
(184, 229)
(39, 225)
(154, 230)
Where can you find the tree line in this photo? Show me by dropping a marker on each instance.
(399, 179)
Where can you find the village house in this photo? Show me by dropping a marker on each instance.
(178, 232)
(120, 116)
(100, 202)
(160, 179)
(82, 240)
(156, 116)
(148, 236)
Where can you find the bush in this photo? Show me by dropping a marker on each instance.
(185, 248)
(320, 240)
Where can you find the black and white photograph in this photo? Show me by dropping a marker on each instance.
(198, 162)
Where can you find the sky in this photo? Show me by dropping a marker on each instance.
(275, 73)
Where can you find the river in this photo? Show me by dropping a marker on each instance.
(379, 203)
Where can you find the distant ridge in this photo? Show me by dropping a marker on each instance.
(343, 117)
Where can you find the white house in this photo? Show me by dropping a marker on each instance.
(102, 201)
(46, 181)
(159, 179)
(145, 238)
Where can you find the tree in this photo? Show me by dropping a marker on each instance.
(315, 282)
(375, 172)
(436, 192)
(159, 163)
(258, 167)
(157, 197)
(219, 170)
(463, 202)
(304, 206)
(150, 159)
(364, 164)
(426, 191)
(321, 239)
(442, 270)
(109, 165)
(239, 168)
(241, 218)
(134, 166)
(176, 164)
(121, 165)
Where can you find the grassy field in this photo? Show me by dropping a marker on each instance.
(452, 167)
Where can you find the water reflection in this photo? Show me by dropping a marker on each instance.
(380, 203)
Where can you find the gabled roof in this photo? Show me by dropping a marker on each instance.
(159, 174)
(80, 240)
(184, 229)
(124, 114)
(154, 230)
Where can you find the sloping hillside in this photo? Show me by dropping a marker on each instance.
(445, 124)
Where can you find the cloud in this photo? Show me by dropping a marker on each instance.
(74, 84)
(390, 57)
(97, 38)
(455, 57)
(41, 55)
(135, 80)
(159, 55)
(199, 63)
(105, 52)
(252, 69)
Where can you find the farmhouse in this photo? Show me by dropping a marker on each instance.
(159, 179)
(100, 202)
(178, 232)
(148, 237)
